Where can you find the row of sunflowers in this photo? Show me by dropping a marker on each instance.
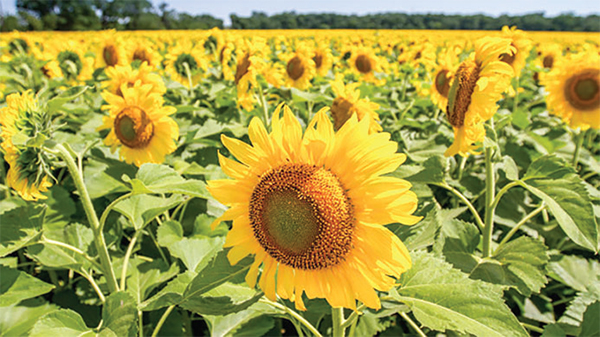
(300, 182)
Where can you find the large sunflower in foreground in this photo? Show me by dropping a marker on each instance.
(573, 87)
(139, 125)
(310, 208)
(348, 103)
(478, 84)
(27, 174)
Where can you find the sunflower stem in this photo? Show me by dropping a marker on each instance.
(464, 199)
(104, 215)
(490, 187)
(162, 320)
(188, 73)
(516, 100)
(294, 315)
(413, 324)
(73, 249)
(578, 144)
(94, 285)
(263, 103)
(127, 257)
(337, 317)
(521, 223)
(461, 167)
(62, 152)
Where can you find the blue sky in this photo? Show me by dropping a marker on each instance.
(223, 8)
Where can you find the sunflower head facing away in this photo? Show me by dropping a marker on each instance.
(186, 62)
(127, 75)
(310, 208)
(29, 172)
(521, 46)
(477, 85)
(140, 126)
(348, 103)
(443, 73)
(573, 87)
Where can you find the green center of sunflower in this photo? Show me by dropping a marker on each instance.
(442, 83)
(295, 68)
(109, 53)
(133, 127)
(180, 64)
(582, 90)
(461, 91)
(302, 217)
(69, 63)
(363, 64)
(341, 110)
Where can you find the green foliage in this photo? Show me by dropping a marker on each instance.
(16, 286)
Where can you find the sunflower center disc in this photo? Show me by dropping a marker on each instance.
(509, 58)
(363, 64)
(341, 110)
(140, 54)
(110, 55)
(295, 69)
(242, 67)
(442, 83)
(302, 217)
(548, 61)
(318, 60)
(133, 127)
(461, 91)
(583, 90)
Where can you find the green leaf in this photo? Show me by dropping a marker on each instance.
(100, 177)
(421, 235)
(21, 227)
(119, 315)
(197, 252)
(591, 324)
(145, 276)
(66, 96)
(443, 298)
(510, 168)
(434, 171)
(17, 320)
(520, 263)
(169, 232)
(16, 286)
(141, 209)
(54, 256)
(571, 320)
(421, 150)
(566, 197)
(457, 242)
(233, 324)
(64, 323)
(553, 330)
(171, 294)
(225, 299)
(573, 271)
(153, 178)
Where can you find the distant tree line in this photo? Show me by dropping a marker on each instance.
(534, 21)
(142, 15)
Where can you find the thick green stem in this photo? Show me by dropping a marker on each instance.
(578, 145)
(99, 240)
(104, 215)
(353, 316)
(503, 191)
(162, 320)
(265, 107)
(490, 188)
(337, 317)
(127, 257)
(94, 285)
(521, 223)
(461, 167)
(413, 324)
(188, 72)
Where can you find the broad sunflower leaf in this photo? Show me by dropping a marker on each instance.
(566, 197)
(141, 209)
(17, 320)
(434, 171)
(591, 324)
(235, 323)
(458, 241)
(571, 320)
(171, 294)
(196, 252)
(154, 178)
(21, 227)
(64, 323)
(225, 299)
(520, 263)
(119, 315)
(144, 276)
(66, 96)
(16, 286)
(510, 168)
(443, 298)
(573, 271)
(422, 234)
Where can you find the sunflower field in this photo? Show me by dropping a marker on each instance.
(300, 183)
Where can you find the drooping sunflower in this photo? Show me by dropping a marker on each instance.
(28, 173)
(322, 58)
(573, 87)
(348, 103)
(143, 50)
(140, 126)
(300, 68)
(186, 59)
(441, 79)
(310, 208)
(74, 65)
(126, 74)
(477, 85)
(249, 64)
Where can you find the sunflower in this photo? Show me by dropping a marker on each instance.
(74, 65)
(143, 50)
(110, 53)
(573, 87)
(186, 62)
(441, 79)
(521, 47)
(249, 64)
(299, 69)
(322, 58)
(126, 74)
(28, 174)
(348, 103)
(139, 125)
(365, 63)
(478, 84)
(547, 54)
(310, 208)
